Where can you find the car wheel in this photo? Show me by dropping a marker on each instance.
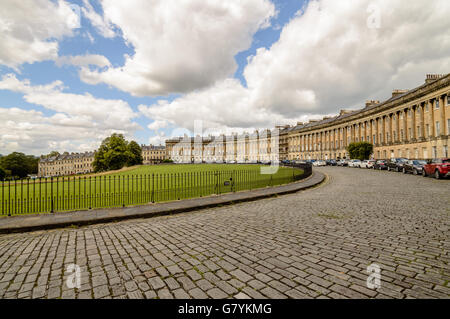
(424, 173)
(415, 172)
(437, 175)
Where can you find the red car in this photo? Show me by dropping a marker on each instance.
(438, 167)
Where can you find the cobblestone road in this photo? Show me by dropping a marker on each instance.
(314, 244)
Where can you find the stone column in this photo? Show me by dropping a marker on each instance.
(383, 130)
(414, 128)
(431, 116)
(442, 110)
(422, 120)
(405, 125)
(391, 124)
(377, 137)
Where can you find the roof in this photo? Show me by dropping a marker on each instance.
(64, 157)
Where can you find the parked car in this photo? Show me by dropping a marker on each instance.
(319, 163)
(370, 163)
(396, 164)
(343, 162)
(414, 166)
(380, 165)
(439, 168)
(366, 164)
(354, 163)
(331, 162)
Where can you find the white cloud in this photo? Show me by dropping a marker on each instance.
(325, 59)
(180, 45)
(84, 60)
(103, 27)
(79, 121)
(29, 30)
(157, 125)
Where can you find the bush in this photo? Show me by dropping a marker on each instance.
(360, 150)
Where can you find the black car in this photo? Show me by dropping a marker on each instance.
(396, 164)
(414, 166)
(331, 163)
(380, 165)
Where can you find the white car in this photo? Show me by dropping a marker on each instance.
(319, 163)
(367, 164)
(354, 163)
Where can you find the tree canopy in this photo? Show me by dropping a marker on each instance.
(2, 174)
(19, 165)
(115, 153)
(360, 150)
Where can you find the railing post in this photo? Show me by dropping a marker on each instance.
(51, 195)
(153, 187)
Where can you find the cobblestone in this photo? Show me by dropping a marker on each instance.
(313, 244)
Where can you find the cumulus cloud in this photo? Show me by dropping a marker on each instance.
(84, 60)
(102, 25)
(179, 45)
(78, 121)
(327, 57)
(30, 29)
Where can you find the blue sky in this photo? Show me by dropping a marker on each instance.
(42, 73)
(149, 70)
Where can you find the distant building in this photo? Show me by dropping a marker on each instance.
(153, 154)
(66, 164)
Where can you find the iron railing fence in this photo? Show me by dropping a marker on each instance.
(59, 194)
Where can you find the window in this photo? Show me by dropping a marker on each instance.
(418, 131)
(438, 128)
(434, 154)
(410, 132)
(401, 133)
(426, 107)
(448, 99)
(437, 104)
(428, 130)
(445, 151)
(448, 126)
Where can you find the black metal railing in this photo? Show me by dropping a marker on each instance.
(59, 194)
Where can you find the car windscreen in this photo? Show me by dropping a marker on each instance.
(446, 161)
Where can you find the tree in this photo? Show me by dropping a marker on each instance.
(112, 154)
(19, 164)
(360, 150)
(134, 153)
(2, 174)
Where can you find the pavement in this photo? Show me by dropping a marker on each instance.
(317, 243)
(22, 223)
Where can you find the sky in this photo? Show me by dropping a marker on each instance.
(74, 72)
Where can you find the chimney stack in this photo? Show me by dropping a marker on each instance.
(396, 93)
(433, 77)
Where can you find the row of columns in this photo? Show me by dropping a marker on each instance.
(375, 129)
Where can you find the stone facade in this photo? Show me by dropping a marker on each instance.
(153, 154)
(412, 123)
(258, 147)
(66, 164)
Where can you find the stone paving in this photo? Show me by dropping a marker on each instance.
(313, 244)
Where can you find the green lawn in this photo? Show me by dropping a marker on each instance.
(141, 185)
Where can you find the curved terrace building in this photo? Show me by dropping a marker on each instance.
(412, 123)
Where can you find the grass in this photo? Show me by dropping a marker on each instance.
(135, 186)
